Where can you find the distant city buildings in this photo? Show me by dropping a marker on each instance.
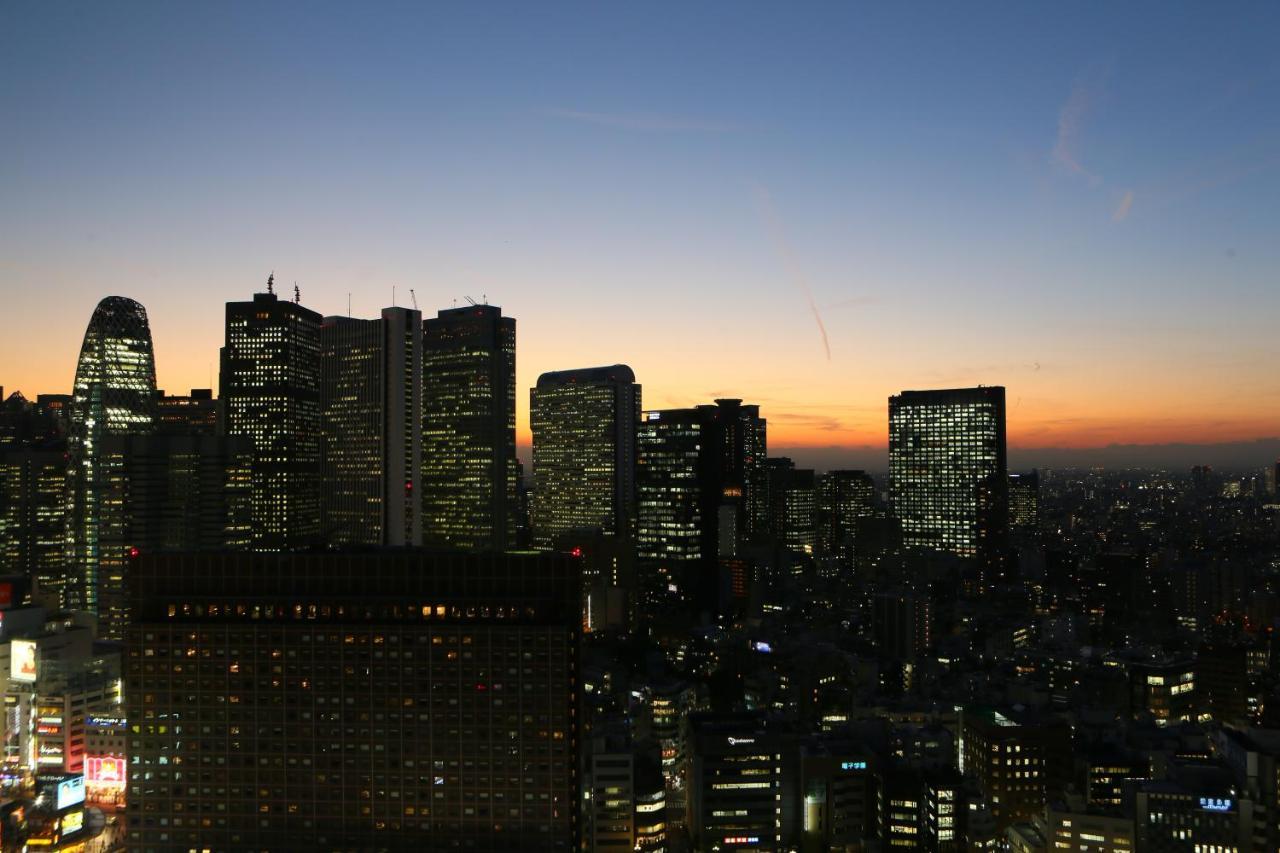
(468, 428)
(270, 393)
(584, 452)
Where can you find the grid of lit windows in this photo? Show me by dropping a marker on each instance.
(947, 467)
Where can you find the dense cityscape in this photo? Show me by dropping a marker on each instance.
(327, 606)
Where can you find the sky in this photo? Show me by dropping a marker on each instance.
(808, 206)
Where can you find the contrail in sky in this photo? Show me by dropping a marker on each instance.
(778, 234)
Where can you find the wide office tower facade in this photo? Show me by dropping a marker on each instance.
(584, 452)
(270, 392)
(371, 450)
(402, 700)
(469, 428)
(114, 394)
(948, 471)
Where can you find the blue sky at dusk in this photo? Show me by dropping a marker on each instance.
(1078, 202)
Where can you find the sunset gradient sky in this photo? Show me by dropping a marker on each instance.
(808, 206)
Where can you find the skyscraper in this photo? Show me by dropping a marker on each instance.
(1024, 500)
(403, 700)
(843, 497)
(469, 428)
(270, 392)
(744, 475)
(114, 394)
(948, 475)
(371, 454)
(584, 451)
(702, 489)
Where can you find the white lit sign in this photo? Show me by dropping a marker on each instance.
(22, 661)
(70, 792)
(1215, 804)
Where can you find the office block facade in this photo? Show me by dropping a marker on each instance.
(584, 452)
(948, 473)
(469, 428)
(371, 453)
(394, 700)
(270, 392)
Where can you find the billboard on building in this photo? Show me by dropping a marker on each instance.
(22, 661)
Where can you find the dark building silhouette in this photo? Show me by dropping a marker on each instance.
(114, 394)
(792, 505)
(584, 452)
(400, 700)
(371, 453)
(469, 428)
(173, 492)
(948, 474)
(33, 485)
(193, 414)
(702, 490)
(1024, 501)
(843, 497)
(270, 392)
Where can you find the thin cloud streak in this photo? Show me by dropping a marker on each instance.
(1084, 94)
(1122, 209)
(645, 122)
(773, 224)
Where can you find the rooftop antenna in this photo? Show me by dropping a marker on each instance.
(414, 297)
(393, 296)
(297, 294)
(484, 298)
(271, 283)
(470, 300)
(348, 303)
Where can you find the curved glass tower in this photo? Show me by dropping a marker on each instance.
(114, 395)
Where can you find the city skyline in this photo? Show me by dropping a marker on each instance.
(1082, 218)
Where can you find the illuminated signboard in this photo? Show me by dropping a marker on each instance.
(106, 770)
(853, 765)
(762, 647)
(22, 661)
(70, 792)
(1215, 804)
(72, 822)
(742, 839)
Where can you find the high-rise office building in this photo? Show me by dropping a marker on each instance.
(1024, 501)
(584, 452)
(114, 394)
(167, 492)
(676, 508)
(33, 485)
(843, 497)
(702, 492)
(948, 475)
(744, 474)
(371, 453)
(401, 700)
(270, 392)
(469, 428)
(792, 504)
